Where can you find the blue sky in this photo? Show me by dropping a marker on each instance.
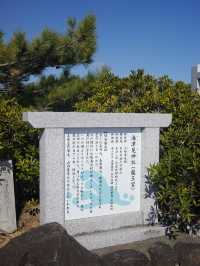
(160, 36)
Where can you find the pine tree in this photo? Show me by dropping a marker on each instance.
(20, 58)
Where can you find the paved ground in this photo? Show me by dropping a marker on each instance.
(144, 245)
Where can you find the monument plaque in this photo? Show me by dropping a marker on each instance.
(93, 169)
(102, 171)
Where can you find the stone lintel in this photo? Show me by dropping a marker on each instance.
(95, 120)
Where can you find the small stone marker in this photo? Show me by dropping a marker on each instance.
(7, 198)
(93, 169)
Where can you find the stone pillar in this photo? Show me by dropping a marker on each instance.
(150, 155)
(7, 198)
(52, 176)
(195, 78)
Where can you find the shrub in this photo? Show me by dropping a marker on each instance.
(19, 143)
(176, 179)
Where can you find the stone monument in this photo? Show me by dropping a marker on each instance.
(7, 198)
(93, 170)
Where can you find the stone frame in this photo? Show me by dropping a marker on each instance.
(52, 166)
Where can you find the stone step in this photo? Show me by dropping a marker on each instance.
(119, 236)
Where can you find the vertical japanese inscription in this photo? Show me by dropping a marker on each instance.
(102, 171)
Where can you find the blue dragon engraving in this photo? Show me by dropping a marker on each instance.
(92, 185)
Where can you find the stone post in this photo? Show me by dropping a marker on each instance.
(7, 198)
